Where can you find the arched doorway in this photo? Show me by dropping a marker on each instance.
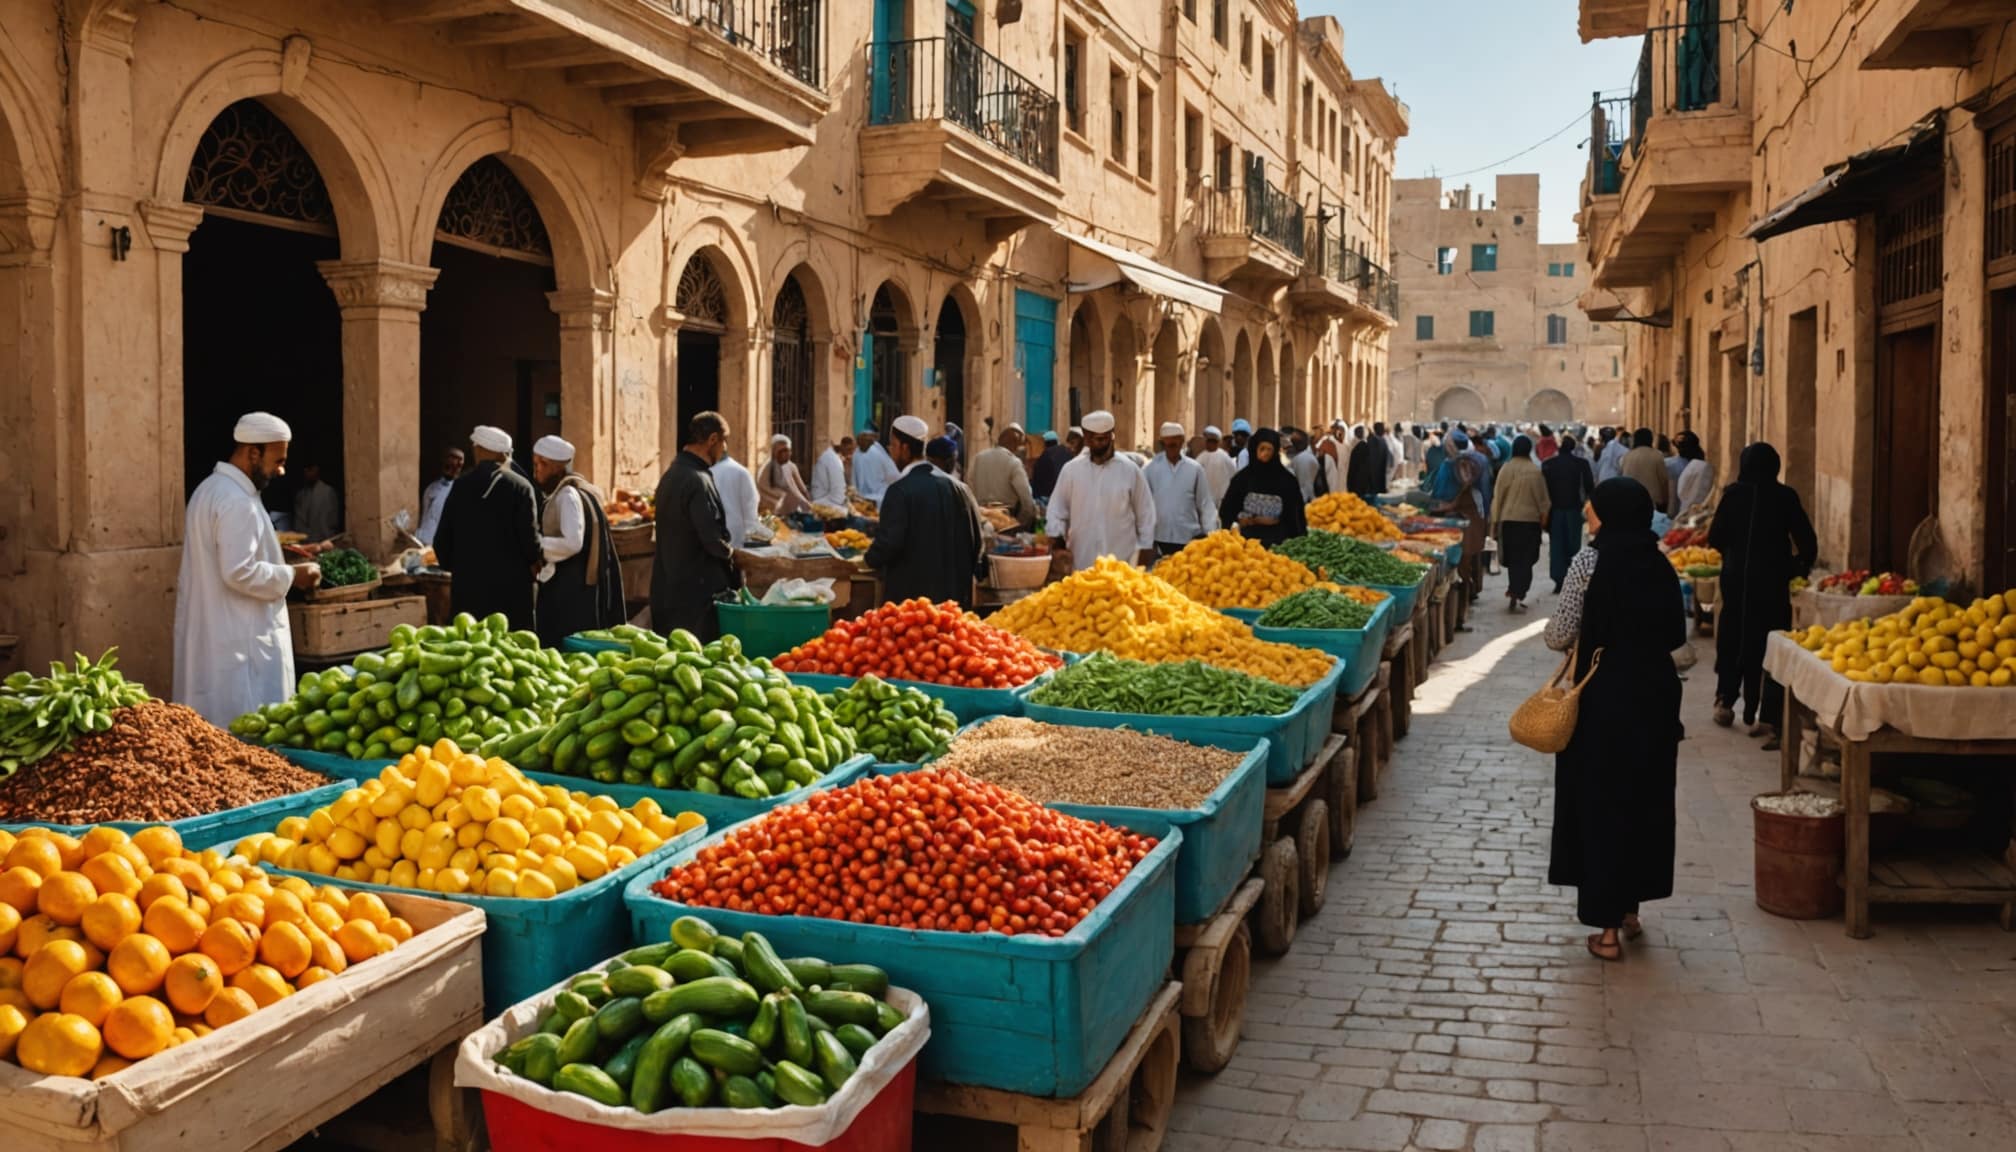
(884, 364)
(260, 329)
(1124, 371)
(791, 366)
(1082, 396)
(1169, 398)
(1295, 406)
(702, 303)
(948, 358)
(1459, 403)
(1242, 378)
(1212, 370)
(1550, 406)
(1267, 393)
(489, 340)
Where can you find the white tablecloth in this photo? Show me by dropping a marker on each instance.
(1858, 710)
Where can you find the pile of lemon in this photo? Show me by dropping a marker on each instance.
(444, 820)
(1118, 608)
(116, 947)
(1693, 557)
(1345, 512)
(1933, 642)
(1227, 570)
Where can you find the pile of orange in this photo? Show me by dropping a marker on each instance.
(116, 947)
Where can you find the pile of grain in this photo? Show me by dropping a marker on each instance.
(1055, 764)
(158, 761)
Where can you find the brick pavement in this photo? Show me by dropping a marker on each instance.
(1443, 1000)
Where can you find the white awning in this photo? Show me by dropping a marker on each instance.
(1094, 265)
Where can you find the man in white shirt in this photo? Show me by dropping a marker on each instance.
(829, 474)
(233, 649)
(874, 471)
(1242, 431)
(1304, 463)
(1102, 506)
(435, 496)
(738, 498)
(1184, 507)
(778, 488)
(581, 581)
(316, 513)
(1216, 462)
(997, 476)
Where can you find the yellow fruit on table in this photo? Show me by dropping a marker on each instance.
(110, 919)
(139, 964)
(91, 995)
(59, 1044)
(1227, 570)
(1689, 557)
(138, 1027)
(50, 968)
(1345, 512)
(193, 981)
(12, 1020)
(10, 926)
(1931, 643)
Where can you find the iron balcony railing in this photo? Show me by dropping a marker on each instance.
(1260, 211)
(951, 78)
(1327, 255)
(1609, 121)
(1685, 67)
(1377, 288)
(789, 33)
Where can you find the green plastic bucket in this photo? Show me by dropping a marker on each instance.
(773, 629)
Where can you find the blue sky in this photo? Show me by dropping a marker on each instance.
(1486, 79)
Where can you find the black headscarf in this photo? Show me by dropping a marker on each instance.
(1265, 479)
(1766, 539)
(1632, 608)
(1522, 446)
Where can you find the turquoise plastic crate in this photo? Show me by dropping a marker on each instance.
(1031, 1014)
(531, 945)
(1405, 597)
(1288, 734)
(1361, 649)
(329, 764)
(583, 644)
(968, 704)
(721, 811)
(230, 824)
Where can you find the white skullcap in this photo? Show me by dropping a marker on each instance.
(1211, 432)
(491, 439)
(261, 428)
(551, 447)
(1101, 422)
(780, 438)
(1171, 429)
(913, 427)
(1012, 427)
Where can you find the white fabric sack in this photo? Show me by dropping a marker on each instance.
(795, 591)
(476, 1067)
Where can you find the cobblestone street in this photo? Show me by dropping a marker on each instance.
(1443, 999)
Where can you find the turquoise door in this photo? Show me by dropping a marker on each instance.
(889, 63)
(1036, 348)
(864, 381)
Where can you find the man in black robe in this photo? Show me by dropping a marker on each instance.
(581, 584)
(694, 559)
(928, 542)
(489, 534)
(1365, 474)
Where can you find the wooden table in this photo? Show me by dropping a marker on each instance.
(1951, 876)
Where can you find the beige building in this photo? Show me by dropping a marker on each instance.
(1809, 216)
(1489, 327)
(388, 220)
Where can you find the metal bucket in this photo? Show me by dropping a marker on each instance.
(1798, 864)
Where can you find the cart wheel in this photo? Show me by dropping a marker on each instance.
(1210, 1040)
(1312, 846)
(1279, 906)
(1343, 801)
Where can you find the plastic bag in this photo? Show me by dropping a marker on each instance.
(795, 591)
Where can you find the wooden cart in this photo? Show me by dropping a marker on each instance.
(1295, 853)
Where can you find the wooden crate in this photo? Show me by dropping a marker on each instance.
(634, 539)
(356, 626)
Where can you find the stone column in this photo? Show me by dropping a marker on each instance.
(380, 302)
(588, 380)
(168, 226)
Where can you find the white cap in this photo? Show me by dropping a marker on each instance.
(1171, 429)
(1012, 427)
(911, 426)
(491, 439)
(261, 428)
(1101, 422)
(550, 447)
(780, 438)
(1211, 432)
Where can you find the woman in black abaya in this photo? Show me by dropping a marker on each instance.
(1613, 786)
(1765, 539)
(1264, 498)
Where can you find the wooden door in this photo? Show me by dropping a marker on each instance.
(2000, 570)
(1905, 469)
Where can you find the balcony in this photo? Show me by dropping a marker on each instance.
(950, 122)
(1603, 184)
(1686, 151)
(1252, 233)
(719, 77)
(1338, 282)
(1936, 34)
(1609, 19)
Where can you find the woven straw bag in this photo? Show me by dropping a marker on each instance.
(1546, 721)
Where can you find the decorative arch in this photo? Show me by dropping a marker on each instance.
(581, 260)
(1296, 407)
(27, 156)
(1172, 399)
(957, 346)
(1214, 369)
(1267, 386)
(1550, 406)
(810, 266)
(318, 112)
(1459, 403)
(1123, 376)
(1242, 376)
(1086, 363)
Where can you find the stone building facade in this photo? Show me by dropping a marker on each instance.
(1815, 246)
(388, 220)
(1490, 328)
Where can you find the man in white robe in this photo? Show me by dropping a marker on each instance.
(739, 501)
(829, 474)
(874, 471)
(1184, 507)
(1218, 465)
(233, 649)
(1102, 505)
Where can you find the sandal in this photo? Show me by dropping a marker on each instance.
(1633, 928)
(1609, 953)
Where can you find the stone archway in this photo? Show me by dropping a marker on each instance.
(882, 376)
(1459, 403)
(711, 342)
(1242, 378)
(1085, 354)
(1267, 386)
(1550, 406)
(1214, 369)
(1172, 399)
(1123, 374)
(799, 338)
(29, 451)
(956, 357)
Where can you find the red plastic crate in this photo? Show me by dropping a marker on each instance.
(883, 1126)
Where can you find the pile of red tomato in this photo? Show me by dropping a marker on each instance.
(919, 640)
(935, 849)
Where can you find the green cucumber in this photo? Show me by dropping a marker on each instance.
(579, 1042)
(693, 932)
(730, 949)
(794, 1029)
(688, 966)
(857, 1039)
(691, 1082)
(742, 1092)
(542, 1059)
(639, 980)
(765, 970)
(860, 977)
(623, 1065)
(763, 1029)
(620, 1019)
(654, 1061)
(887, 1018)
(836, 1063)
(837, 1008)
(731, 1054)
(653, 955)
(724, 997)
(810, 970)
(796, 1085)
(590, 1081)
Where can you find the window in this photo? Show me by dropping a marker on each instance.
(1267, 69)
(1074, 80)
(1219, 20)
(1616, 368)
(1144, 131)
(1222, 163)
(1568, 269)
(1308, 113)
(1554, 269)
(1116, 85)
(1246, 43)
(1483, 257)
(1193, 143)
(1483, 325)
(1557, 329)
(1190, 10)
(962, 16)
(1424, 327)
(1445, 261)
